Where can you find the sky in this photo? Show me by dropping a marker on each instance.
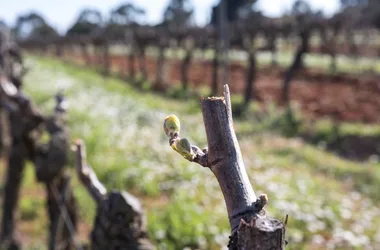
(62, 13)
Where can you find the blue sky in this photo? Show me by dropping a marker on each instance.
(62, 13)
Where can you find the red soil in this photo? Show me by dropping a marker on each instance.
(344, 49)
(341, 97)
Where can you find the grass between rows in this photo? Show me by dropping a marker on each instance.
(330, 201)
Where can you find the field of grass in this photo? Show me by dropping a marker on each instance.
(332, 203)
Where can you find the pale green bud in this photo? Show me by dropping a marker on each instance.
(172, 126)
(183, 147)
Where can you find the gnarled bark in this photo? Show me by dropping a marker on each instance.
(185, 68)
(251, 75)
(160, 68)
(23, 119)
(106, 58)
(131, 63)
(297, 63)
(120, 221)
(215, 70)
(142, 62)
(63, 214)
(50, 164)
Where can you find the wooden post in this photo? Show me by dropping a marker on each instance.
(85, 54)
(160, 68)
(297, 63)
(251, 69)
(142, 62)
(131, 55)
(185, 67)
(106, 58)
(215, 69)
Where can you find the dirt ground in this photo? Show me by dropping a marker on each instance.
(342, 97)
(344, 49)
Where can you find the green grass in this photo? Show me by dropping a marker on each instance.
(330, 201)
(292, 123)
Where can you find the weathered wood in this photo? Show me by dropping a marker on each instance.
(6, 89)
(250, 78)
(250, 227)
(131, 58)
(258, 234)
(23, 119)
(226, 162)
(18, 118)
(159, 84)
(142, 63)
(85, 54)
(225, 158)
(185, 68)
(130, 43)
(120, 221)
(297, 64)
(16, 165)
(87, 175)
(59, 194)
(215, 70)
(50, 162)
(106, 58)
(5, 138)
(131, 63)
